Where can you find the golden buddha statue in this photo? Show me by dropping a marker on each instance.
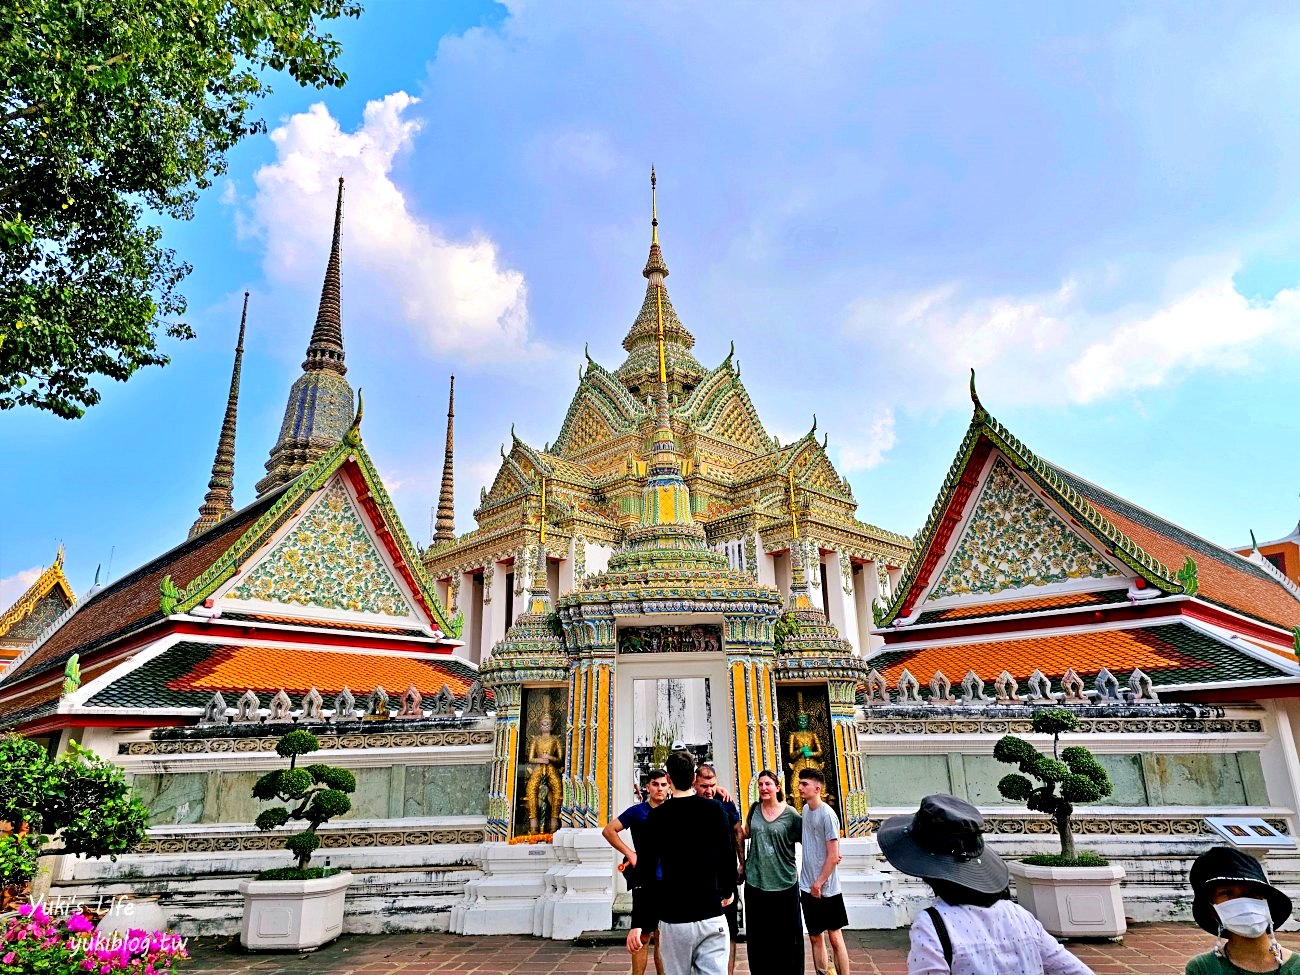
(545, 753)
(804, 750)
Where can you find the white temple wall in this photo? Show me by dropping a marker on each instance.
(1169, 771)
(494, 608)
(866, 590)
(471, 604)
(842, 609)
(766, 563)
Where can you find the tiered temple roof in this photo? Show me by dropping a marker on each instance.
(739, 476)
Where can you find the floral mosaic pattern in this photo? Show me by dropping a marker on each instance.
(329, 560)
(1014, 541)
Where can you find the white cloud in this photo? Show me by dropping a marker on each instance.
(11, 587)
(867, 445)
(1055, 347)
(456, 295)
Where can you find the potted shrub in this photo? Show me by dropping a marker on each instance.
(297, 908)
(1073, 894)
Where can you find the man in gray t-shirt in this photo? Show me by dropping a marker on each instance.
(819, 884)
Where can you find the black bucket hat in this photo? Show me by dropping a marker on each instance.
(1224, 865)
(944, 840)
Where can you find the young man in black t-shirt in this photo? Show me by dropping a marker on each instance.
(688, 843)
(706, 784)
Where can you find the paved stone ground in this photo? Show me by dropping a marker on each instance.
(1148, 949)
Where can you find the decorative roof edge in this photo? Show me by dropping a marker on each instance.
(51, 578)
(984, 424)
(306, 484)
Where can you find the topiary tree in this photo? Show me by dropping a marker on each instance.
(1074, 769)
(76, 803)
(320, 791)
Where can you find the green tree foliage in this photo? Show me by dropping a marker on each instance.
(786, 626)
(111, 111)
(320, 791)
(79, 801)
(1074, 769)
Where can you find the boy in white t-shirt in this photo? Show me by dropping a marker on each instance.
(819, 884)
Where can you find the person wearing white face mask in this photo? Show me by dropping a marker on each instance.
(1233, 900)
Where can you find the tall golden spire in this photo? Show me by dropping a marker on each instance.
(444, 527)
(659, 292)
(219, 503)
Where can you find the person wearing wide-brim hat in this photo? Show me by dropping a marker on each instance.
(1233, 900)
(974, 928)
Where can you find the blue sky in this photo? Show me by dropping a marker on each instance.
(1095, 208)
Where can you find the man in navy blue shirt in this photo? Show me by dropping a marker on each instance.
(633, 818)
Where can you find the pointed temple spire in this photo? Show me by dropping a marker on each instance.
(325, 350)
(444, 526)
(219, 503)
(658, 345)
(320, 407)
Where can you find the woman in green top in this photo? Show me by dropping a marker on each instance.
(773, 924)
(1232, 899)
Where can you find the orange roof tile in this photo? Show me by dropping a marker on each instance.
(1087, 652)
(297, 671)
(1227, 579)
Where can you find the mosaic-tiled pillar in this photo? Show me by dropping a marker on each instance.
(501, 797)
(589, 757)
(848, 756)
(747, 640)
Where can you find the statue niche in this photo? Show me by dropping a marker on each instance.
(804, 717)
(541, 761)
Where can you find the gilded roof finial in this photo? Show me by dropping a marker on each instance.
(654, 208)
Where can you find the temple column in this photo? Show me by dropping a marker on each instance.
(840, 607)
(869, 582)
(469, 600)
(494, 605)
(505, 749)
(589, 759)
(848, 754)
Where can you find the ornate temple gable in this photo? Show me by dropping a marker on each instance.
(45, 600)
(984, 436)
(327, 558)
(812, 467)
(511, 481)
(337, 511)
(720, 407)
(602, 409)
(1012, 542)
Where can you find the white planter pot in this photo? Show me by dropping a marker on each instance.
(292, 915)
(1072, 902)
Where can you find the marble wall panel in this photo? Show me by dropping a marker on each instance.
(172, 797)
(901, 780)
(445, 790)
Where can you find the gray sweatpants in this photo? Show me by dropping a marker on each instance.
(695, 947)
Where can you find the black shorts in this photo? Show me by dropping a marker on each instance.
(640, 899)
(822, 914)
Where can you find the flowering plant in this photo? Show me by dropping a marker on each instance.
(69, 945)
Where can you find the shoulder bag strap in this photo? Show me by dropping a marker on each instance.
(941, 930)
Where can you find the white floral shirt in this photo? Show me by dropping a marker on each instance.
(1004, 939)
